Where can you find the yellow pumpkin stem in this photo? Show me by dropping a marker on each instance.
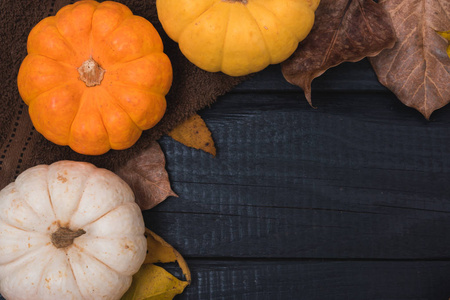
(63, 237)
(91, 73)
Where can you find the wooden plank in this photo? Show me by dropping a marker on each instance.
(358, 76)
(321, 280)
(318, 280)
(358, 105)
(352, 179)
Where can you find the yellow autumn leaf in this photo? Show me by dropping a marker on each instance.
(159, 251)
(153, 282)
(446, 35)
(195, 134)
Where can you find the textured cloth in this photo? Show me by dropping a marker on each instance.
(21, 147)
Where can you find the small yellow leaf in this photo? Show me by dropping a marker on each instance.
(152, 282)
(195, 134)
(159, 251)
(155, 283)
(446, 35)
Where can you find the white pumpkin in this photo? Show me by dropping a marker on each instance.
(69, 231)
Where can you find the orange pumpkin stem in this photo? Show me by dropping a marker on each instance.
(63, 237)
(91, 73)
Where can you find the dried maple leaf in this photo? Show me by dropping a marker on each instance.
(417, 69)
(147, 177)
(154, 282)
(194, 133)
(344, 31)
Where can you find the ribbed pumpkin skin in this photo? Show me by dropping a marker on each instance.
(237, 37)
(98, 264)
(129, 99)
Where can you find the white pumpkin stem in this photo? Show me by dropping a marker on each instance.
(91, 73)
(63, 237)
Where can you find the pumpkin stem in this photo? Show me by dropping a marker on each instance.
(91, 73)
(63, 237)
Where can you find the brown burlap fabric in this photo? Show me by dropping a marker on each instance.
(22, 147)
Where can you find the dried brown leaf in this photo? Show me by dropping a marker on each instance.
(147, 177)
(194, 133)
(417, 69)
(344, 31)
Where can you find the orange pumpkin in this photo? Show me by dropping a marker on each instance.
(95, 77)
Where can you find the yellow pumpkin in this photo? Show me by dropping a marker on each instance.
(237, 37)
(95, 77)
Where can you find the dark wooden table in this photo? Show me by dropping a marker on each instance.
(350, 200)
(347, 201)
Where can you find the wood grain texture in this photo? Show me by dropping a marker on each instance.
(346, 201)
(318, 280)
(346, 77)
(359, 177)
